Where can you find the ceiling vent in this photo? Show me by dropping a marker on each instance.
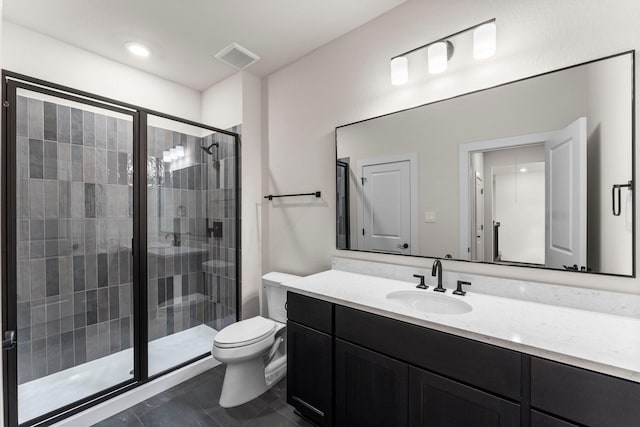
(237, 56)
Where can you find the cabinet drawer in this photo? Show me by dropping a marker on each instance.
(485, 366)
(310, 312)
(583, 396)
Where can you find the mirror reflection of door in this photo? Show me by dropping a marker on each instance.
(479, 217)
(537, 195)
(476, 214)
(385, 205)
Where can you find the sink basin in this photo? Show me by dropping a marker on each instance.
(430, 302)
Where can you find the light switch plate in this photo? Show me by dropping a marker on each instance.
(429, 216)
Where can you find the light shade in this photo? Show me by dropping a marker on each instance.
(484, 41)
(180, 150)
(399, 70)
(437, 56)
(174, 153)
(166, 156)
(138, 49)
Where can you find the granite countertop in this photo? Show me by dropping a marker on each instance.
(600, 342)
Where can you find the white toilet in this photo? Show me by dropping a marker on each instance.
(255, 349)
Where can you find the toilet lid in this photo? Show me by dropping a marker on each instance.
(245, 332)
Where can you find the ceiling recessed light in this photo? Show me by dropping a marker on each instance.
(523, 170)
(138, 49)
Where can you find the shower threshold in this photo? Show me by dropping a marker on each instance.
(46, 394)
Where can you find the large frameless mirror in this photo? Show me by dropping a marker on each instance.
(534, 173)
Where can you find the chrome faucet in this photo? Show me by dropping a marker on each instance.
(437, 269)
(176, 238)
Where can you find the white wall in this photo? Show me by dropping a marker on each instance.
(348, 80)
(252, 189)
(33, 54)
(222, 103)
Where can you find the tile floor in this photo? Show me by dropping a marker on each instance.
(195, 403)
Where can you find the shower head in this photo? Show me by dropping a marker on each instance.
(208, 149)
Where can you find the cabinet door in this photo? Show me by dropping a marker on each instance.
(435, 401)
(371, 389)
(538, 419)
(309, 373)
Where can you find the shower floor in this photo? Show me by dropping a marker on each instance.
(48, 393)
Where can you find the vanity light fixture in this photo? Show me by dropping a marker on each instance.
(439, 52)
(399, 70)
(484, 41)
(138, 49)
(438, 55)
(173, 153)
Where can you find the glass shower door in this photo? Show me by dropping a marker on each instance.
(71, 248)
(192, 240)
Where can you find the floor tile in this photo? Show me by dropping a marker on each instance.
(195, 403)
(125, 418)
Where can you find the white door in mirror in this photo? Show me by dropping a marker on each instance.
(386, 207)
(566, 196)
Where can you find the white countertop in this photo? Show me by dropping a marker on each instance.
(600, 342)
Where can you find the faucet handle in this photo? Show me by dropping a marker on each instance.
(459, 290)
(422, 285)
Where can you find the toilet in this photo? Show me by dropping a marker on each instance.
(255, 349)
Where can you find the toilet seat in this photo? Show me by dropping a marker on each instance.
(245, 332)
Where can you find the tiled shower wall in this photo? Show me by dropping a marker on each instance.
(193, 283)
(74, 231)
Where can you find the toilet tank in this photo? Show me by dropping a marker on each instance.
(275, 295)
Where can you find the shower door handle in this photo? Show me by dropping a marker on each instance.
(9, 341)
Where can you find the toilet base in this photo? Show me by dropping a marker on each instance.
(243, 382)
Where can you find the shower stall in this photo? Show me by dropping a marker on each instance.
(120, 246)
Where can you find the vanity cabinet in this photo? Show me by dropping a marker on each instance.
(538, 419)
(350, 367)
(310, 358)
(370, 389)
(582, 396)
(436, 401)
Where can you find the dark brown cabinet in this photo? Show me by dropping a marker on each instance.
(371, 389)
(309, 373)
(310, 358)
(349, 367)
(436, 401)
(582, 396)
(538, 419)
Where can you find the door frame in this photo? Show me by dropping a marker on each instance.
(11, 81)
(412, 158)
(465, 175)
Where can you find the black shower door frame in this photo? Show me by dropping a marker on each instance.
(11, 83)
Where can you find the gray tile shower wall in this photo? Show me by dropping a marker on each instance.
(194, 282)
(74, 230)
